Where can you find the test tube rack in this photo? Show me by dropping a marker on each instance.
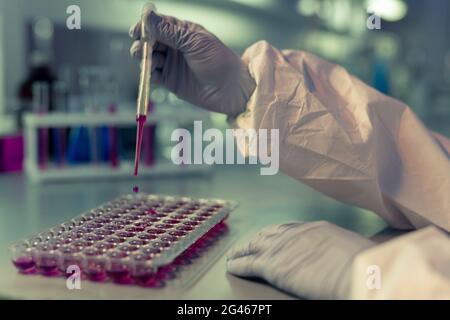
(34, 122)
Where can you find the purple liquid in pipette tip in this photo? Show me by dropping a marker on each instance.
(135, 189)
(139, 133)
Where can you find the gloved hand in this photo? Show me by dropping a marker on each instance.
(195, 65)
(311, 260)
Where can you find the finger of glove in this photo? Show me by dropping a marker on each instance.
(260, 242)
(135, 34)
(272, 231)
(135, 30)
(167, 30)
(251, 247)
(256, 244)
(136, 48)
(152, 18)
(244, 267)
(172, 32)
(158, 58)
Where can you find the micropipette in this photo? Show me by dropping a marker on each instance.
(144, 83)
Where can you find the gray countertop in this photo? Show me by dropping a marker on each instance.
(27, 208)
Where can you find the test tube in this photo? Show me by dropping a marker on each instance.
(89, 89)
(59, 134)
(112, 130)
(93, 107)
(41, 94)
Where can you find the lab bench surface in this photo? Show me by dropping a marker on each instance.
(27, 208)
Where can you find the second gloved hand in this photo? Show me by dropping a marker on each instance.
(311, 260)
(195, 65)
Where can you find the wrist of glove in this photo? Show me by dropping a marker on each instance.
(311, 260)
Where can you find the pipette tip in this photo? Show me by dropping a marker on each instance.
(140, 129)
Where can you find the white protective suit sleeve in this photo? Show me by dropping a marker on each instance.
(412, 266)
(319, 260)
(347, 140)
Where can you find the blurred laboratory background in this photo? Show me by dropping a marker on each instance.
(47, 69)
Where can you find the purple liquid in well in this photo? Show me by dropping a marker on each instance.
(182, 261)
(48, 267)
(177, 233)
(95, 270)
(125, 234)
(113, 227)
(96, 275)
(161, 244)
(121, 276)
(185, 228)
(155, 231)
(149, 280)
(140, 130)
(114, 240)
(191, 223)
(25, 264)
(169, 239)
(139, 213)
(135, 229)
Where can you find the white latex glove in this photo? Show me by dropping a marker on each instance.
(311, 260)
(195, 65)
